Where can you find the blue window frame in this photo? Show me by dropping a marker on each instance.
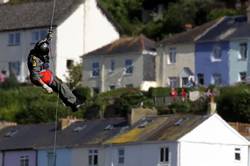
(95, 69)
(14, 39)
(129, 66)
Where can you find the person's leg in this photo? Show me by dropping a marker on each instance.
(65, 93)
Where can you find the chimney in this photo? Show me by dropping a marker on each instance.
(4, 1)
(66, 122)
(188, 26)
(139, 113)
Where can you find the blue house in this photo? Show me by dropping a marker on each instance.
(221, 55)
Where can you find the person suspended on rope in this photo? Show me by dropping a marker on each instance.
(41, 75)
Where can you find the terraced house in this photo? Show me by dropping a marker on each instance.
(171, 140)
(222, 55)
(75, 32)
(126, 62)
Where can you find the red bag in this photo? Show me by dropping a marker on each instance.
(46, 76)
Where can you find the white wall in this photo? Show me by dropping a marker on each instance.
(184, 58)
(141, 154)
(117, 78)
(202, 154)
(212, 143)
(16, 53)
(85, 30)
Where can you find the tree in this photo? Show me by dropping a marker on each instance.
(75, 75)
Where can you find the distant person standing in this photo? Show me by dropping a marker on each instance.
(2, 76)
(173, 94)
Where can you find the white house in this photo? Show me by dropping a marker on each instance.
(80, 26)
(126, 62)
(179, 140)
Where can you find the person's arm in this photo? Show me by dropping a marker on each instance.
(36, 76)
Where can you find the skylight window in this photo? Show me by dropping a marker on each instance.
(11, 133)
(79, 128)
(109, 127)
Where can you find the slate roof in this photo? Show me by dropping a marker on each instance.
(39, 136)
(161, 128)
(230, 27)
(125, 45)
(37, 14)
(190, 35)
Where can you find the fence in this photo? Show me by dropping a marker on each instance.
(242, 128)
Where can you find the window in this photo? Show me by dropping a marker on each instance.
(173, 82)
(112, 87)
(172, 56)
(69, 63)
(95, 69)
(14, 68)
(38, 35)
(237, 155)
(14, 39)
(24, 161)
(242, 76)
(128, 66)
(129, 85)
(184, 81)
(93, 157)
(200, 78)
(217, 52)
(243, 51)
(112, 66)
(121, 156)
(217, 79)
(164, 155)
(51, 159)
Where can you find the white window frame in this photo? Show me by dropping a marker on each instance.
(112, 66)
(215, 77)
(216, 54)
(24, 160)
(129, 67)
(14, 39)
(37, 35)
(241, 75)
(95, 69)
(51, 158)
(93, 157)
(237, 154)
(164, 158)
(173, 82)
(172, 56)
(121, 156)
(243, 53)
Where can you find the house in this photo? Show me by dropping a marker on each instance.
(222, 53)
(78, 25)
(174, 140)
(78, 143)
(176, 56)
(179, 140)
(126, 62)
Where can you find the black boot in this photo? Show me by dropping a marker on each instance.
(76, 105)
